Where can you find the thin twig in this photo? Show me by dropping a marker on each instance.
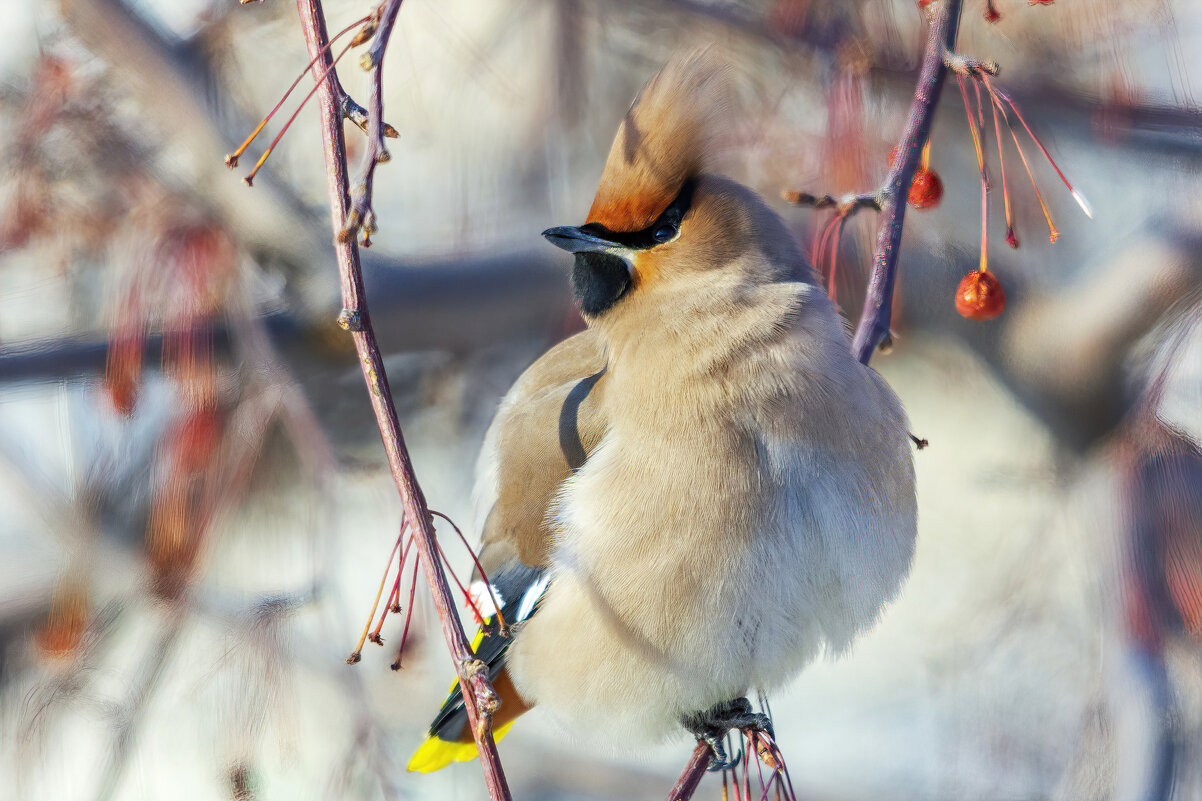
(873, 329)
(686, 785)
(361, 215)
(845, 206)
(480, 700)
(503, 627)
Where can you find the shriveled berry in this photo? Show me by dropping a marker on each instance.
(980, 296)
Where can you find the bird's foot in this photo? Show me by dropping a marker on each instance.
(712, 725)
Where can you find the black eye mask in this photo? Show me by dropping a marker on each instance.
(664, 229)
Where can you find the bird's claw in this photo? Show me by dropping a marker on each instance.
(720, 761)
(712, 725)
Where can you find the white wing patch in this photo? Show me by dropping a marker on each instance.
(482, 598)
(531, 596)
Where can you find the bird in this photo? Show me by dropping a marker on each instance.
(703, 490)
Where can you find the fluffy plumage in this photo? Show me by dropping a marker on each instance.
(745, 499)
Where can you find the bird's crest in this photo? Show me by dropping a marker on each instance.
(665, 138)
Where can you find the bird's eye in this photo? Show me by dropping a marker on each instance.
(665, 233)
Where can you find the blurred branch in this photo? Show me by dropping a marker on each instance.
(422, 305)
(134, 711)
(175, 84)
(1080, 386)
(1151, 126)
(480, 700)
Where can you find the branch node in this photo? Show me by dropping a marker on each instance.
(350, 320)
(368, 30)
(967, 66)
(473, 668)
(354, 220)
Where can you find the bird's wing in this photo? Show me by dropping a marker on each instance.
(546, 426)
(449, 739)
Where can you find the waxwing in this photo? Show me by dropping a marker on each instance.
(697, 495)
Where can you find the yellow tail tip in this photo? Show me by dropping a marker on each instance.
(435, 754)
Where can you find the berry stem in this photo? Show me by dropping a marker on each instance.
(976, 139)
(231, 160)
(393, 595)
(1053, 233)
(400, 651)
(1077, 196)
(249, 179)
(496, 603)
(467, 596)
(354, 657)
(838, 233)
(1001, 158)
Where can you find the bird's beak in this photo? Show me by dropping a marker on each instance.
(574, 240)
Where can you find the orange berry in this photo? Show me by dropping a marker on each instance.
(926, 189)
(980, 296)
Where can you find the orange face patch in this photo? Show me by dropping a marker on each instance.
(646, 269)
(628, 211)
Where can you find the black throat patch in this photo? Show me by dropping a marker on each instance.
(599, 280)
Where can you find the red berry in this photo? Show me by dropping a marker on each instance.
(980, 296)
(926, 189)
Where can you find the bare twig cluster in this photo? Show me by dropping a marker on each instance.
(980, 295)
(480, 700)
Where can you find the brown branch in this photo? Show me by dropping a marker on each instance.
(844, 206)
(686, 785)
(480, 701)
(872, 331)
(361, 215)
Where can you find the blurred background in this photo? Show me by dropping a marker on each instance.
(195, 510)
